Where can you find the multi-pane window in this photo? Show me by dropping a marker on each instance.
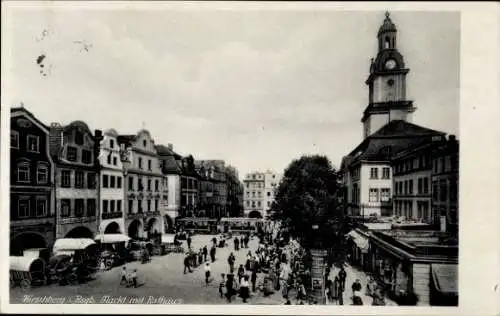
(149, 205)
(139, 162)
(42, 174)
(118, 205)
(23, 172)
(23, 207)
(119, 182)
(71, 153)
(131, 183)
(420, 186)
(435, 191)
(41, 206)
(373, 173)
(33, 144)
(79, 208)
(149, 184)
(91, 183)
(149, 164)
(112, 180)
(65, 207)
(425, 185)
(105, 206)
(66, 178)
(139, 184)
(105, 181)
(130, 205)
(14, 139)
(79, 179)
(385, 194)
(139, 206)
(156, 205)
(386, 173)
(112, 206)
(109, 159)
(111, 143)
(115, 161)
(86, 156)
(373, 195)
(410, 186)
(91, 207)
(157, 185)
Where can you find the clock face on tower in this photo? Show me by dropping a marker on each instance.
(390, 64)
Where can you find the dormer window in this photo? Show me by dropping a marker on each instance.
(111, 143)
(144, 143)
(78, 138)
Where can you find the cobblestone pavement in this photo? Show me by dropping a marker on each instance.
(162, 279)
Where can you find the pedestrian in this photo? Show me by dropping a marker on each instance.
(214, 241)
(132, 278)
(200, 256)
(205, 253)
(123, 274)
(221, 285)
(242, 244)
(244, 289)
(236, 243)
(212, 253)
(253, 279)
(230, 261)
(336, 289)
(356, 286)
(187, 261)
(188, 240)
(241, 273)
(229, 287)
(328, 289)
(342, 276)
(207, 273)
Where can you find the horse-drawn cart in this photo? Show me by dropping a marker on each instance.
(27, 271)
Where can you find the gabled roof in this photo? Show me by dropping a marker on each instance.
(400, 128)
(393, 138)
(163, 150)
(30, 115)
(170, 165)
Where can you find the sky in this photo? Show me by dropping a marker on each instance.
(255, 88)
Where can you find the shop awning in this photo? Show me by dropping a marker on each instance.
(69, 245)
(361, 241)
(445, 278)
(167, 238)
(112, 238)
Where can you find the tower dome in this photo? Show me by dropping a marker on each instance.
(388, 25)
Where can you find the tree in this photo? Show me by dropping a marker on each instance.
(306, 201)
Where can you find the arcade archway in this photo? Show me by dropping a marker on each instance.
(80, 232)
(134, 229)
(168, 223)
(27, 240)
(255, 214)
(112, 228)
(152, 225)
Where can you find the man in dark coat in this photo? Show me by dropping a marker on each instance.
(212, 253)
(187, 261)
(205, 253)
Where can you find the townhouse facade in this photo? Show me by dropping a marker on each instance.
(112, 186)
(143, 185)
(32, 200)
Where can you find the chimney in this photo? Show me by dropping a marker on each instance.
(170, 146)
(452, 138)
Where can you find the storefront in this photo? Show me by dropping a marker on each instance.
(359, 245)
